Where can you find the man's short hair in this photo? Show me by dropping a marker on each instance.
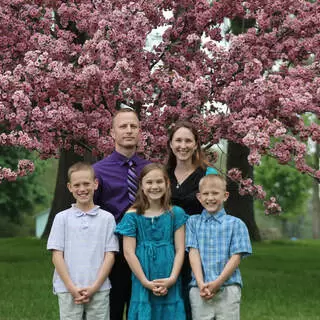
(124, 109)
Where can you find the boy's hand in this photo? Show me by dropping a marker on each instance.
(88, 292)
(214, 286)
(78, 296)
(210, 289)
(81, 300)
(205, 292)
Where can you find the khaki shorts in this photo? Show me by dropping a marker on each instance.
(225, 305)
(96, 309)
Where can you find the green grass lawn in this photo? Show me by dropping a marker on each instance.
(281, 281)
(25, 281)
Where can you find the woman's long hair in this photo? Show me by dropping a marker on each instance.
(198, 157)
(142, 203)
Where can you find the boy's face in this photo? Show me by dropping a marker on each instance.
(82, 186)
(212, 194)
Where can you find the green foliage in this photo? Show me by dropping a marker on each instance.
(291, 188)
(22, 197)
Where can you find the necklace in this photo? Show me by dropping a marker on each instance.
(181, 179)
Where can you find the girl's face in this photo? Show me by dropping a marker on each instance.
(183, 144)
(154, 185)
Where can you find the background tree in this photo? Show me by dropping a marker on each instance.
(21, 197)
(237, 157)
(241, 205)
(293, 191)
(65, 65)
(316, 197)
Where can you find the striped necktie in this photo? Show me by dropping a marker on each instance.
(132, 180)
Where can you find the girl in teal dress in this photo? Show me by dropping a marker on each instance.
(154, 244)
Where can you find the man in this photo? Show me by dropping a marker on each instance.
(115, 194)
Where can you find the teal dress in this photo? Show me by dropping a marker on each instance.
(155, 251)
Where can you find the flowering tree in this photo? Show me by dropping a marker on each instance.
(66, 65)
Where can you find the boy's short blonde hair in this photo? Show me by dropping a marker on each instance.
(78, 166)
(212, 177)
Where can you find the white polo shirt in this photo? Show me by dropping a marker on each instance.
(84, 238)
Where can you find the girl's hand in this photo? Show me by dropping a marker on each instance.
(148, 285)
(165, 282)
(160, 291)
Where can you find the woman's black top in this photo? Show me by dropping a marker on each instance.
(184, 195)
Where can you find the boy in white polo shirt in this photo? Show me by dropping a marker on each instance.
(83, 246)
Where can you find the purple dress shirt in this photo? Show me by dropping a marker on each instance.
(112, 192)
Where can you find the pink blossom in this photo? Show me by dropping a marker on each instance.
(61, 80)
(272, 207)
(254, 157)
(235, 174)
(8, 174)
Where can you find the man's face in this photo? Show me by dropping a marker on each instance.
(125, 131)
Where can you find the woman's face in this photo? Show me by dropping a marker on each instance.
(183, 144)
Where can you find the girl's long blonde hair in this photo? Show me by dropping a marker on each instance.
(142, 204)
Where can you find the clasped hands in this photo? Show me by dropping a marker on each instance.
(159, 287)
(82, 295)
(209, 290)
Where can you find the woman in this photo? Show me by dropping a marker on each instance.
(186, 165)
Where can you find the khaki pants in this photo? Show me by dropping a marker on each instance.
(96, 309)
(225, 305)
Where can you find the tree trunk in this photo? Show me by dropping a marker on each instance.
(62, 197)
(316, 199)
(237, 205)
(286, 228)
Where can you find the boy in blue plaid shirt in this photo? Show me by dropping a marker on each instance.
(216, 243)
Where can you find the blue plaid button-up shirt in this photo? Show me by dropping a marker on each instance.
(217, 237)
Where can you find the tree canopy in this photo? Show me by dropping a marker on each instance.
(66, 65)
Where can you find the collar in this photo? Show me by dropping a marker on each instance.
(123, 159)
(79, 213)
(217, 216)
